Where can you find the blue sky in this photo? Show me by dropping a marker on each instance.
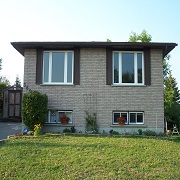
(85, 20)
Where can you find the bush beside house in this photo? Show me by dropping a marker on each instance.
(34, 109)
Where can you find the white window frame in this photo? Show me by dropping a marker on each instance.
(49, 115)
(136, 117)
(57, 116)
(120, 116)
(65, 68)
(135, 68)
(128, 117)
(65, 112)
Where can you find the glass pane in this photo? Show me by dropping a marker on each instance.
(124, 115)
(139, 65)
(132, 117)
(116, 67)
(53, 116)
(69, 115)
(58, 67)
(17, 110)
(69, 67)
(46, 67)
(127, 67)
(140, 117)
(61, 114)
(11, 110)
(18, 98)
(11, 98)
(116, 115)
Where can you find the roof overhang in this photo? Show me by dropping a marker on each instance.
(166, 47)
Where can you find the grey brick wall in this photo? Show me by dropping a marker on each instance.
(104, 98)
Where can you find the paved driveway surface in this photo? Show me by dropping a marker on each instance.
(9, 128)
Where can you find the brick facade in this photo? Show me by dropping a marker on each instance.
(93, 93)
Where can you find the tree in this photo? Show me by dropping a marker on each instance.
(168, 94)
(143, 37)
(171, 96)
(4, 80)
(176, 97)
(171, 101)
(108, 40)
(166, 67)
(133, 37)
(18, 82)
(4, 83)
(3, 86)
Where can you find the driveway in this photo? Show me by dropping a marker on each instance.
(8, 128)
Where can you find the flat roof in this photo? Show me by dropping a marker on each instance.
(21, 46)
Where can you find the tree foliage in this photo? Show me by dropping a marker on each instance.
(108, 40)
(171, 101)
(143, 37)
(18, 82)
(3, 86)
(166, 67)
(4, 79)
(171, 95)
(34, 109)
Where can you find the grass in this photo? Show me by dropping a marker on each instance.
(71, 157)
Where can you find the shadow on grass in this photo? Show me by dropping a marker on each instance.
(175, 138)
(38, 141)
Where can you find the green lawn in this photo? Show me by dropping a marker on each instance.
(72, 157)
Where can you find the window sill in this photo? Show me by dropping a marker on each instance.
(126, 85)
(58, 124)
(129, 126)
(56, 84)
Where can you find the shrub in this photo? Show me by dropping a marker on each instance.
(149, 133)
(91, 122)
(66, 130)
(161, 134)
(140, 131)
(34, 109)
(113, 132)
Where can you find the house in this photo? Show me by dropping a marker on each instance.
(109, 79)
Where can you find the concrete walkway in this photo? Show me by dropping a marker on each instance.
(9, 128)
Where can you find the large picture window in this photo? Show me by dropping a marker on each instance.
(58, 67)
(131, 117)
(128, 68)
